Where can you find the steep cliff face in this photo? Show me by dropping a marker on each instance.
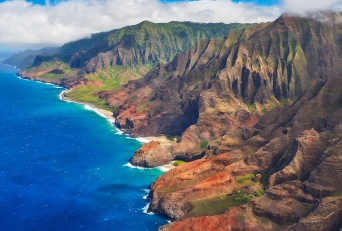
(148, 43)
(293, 153)
(105, 61)
(220, 86)
(300, 164)
(258, 114)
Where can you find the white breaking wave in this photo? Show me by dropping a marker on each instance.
(160, 168)
(118, 131)
(137, 167)
(97, 111)
(61, 97)
(163, 169)
(47, 83)
(146, 196)
(23, 78)
(143, 140)
(145, 210)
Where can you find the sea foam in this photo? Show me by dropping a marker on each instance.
(145, 209)
(163, 169)
(143, 140)
(132, 166)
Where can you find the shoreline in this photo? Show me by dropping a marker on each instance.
(108, 115)
(88, 106)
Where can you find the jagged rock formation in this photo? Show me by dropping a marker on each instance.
(235, 94)
(258, 114)
(302, 186)
(147, 43)
(95, 67)
(142, 44)
(221, 86)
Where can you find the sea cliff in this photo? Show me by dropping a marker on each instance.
(257, 114)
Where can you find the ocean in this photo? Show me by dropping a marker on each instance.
(63, 167)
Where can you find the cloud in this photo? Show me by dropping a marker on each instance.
(23, 23)
(303, 7)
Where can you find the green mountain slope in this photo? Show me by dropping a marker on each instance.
(108, 60)
(256, 113)
(258, 116)
(26, 58)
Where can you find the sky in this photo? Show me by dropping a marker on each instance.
(41, 23)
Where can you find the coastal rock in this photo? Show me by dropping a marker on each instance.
(225, 85)
(262, 101)
(152, 154)
(180, 187)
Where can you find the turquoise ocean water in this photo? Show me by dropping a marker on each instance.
(62, 167)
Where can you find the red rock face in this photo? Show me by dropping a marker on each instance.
(297, 149)
(264, 101)
(224, 86)
(160, 154)
(238, 218)
(298, 198)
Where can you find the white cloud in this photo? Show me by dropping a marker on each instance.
(22, 23)
(303, 7)
(25, 24)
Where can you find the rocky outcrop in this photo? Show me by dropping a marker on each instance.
(259, 116)
(310, 147)
(176, 192)
(301, 200)
(160, 155)
(296, 148)
(222, 87)
(327, 216)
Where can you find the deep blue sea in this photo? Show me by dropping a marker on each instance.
(62, 167)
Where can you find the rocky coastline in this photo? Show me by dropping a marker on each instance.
(149, 141)
(257, 116)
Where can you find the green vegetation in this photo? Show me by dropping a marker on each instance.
(247, 177)
(142, 107)
(156, 42)
(170, 38)
(204, 144)
(251, 108)
(51, 71)
(82, 95)
(172, 138)
(179, 162)
(26, 58)
(109, 79)
(244, 197)
(219, 204)
(212, 206)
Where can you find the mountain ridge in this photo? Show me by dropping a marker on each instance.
(257, 114)
(124, 54)
(266, 110)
